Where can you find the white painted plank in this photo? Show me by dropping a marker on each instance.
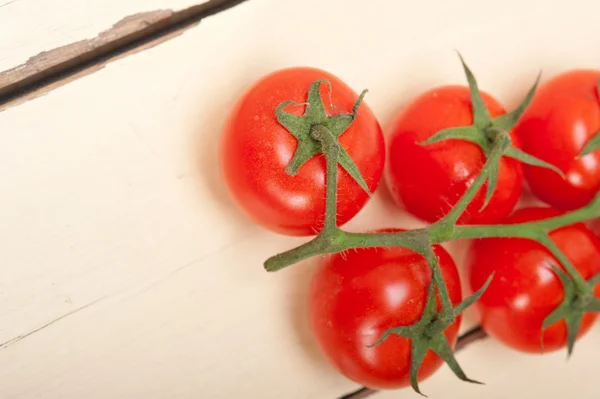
(29, 27)
(106, 208)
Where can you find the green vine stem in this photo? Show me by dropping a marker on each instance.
(331, 147)
(318, 133)
(419, 239)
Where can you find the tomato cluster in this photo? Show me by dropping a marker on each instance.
(277, 177)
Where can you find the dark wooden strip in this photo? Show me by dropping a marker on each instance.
(127, 35)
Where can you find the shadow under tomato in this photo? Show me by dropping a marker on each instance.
(204, 143)
(205, 130)
(385, 193)
(206, 126)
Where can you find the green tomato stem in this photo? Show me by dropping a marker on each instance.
(528, 229)
(418, 238)
(427, 333)
(328, 243)
(331, 149)
(445, 226)
(447, 314)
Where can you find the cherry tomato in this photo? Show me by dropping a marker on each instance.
(525, 289)
(355, 297)
(256, 149)
(563, 116)
(429, 180)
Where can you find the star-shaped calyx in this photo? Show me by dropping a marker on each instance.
(428, 333)
(302, 128)
(594, 143)
(485, 130)
(578, 300)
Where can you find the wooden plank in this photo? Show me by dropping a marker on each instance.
(58, 60)
(32, 27)
(114, 286)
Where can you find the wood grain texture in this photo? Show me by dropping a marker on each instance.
(128, 273)
(132, 33)
(126, 35)
(31, 27)
(62, 58)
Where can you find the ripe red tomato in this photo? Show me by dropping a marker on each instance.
(355, 297)
(255, 150)
(563, 116)
(429, 180)
(525, 290)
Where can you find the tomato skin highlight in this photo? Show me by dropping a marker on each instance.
(525, 290)
(255, 150)
(355, 297)
(563, 116)
(429, 180)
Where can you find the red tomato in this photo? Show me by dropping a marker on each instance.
(256, 149)
(355, 297)
(563, 116)
(429, 180)
(525, 290)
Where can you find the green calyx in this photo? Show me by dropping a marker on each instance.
(578, 299)
(318, 132)
(594, 143)
(485, 130)
(302, 127)
(428, 333)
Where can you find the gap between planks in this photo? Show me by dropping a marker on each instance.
(54, 68)
(51, 69)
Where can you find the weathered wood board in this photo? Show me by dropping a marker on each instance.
(126, 270)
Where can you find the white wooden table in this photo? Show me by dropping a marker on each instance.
(126, 270)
